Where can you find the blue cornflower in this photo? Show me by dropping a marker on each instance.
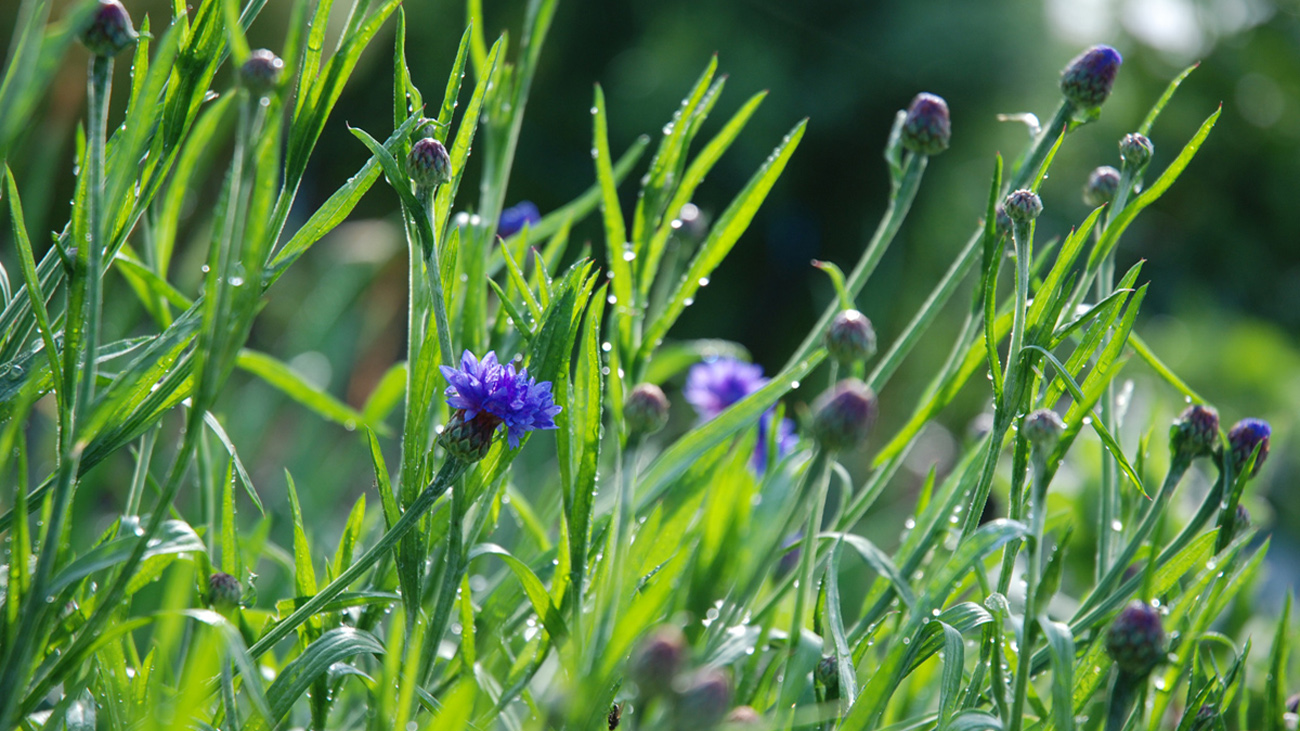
(487, 394)
(515, 217)
(713, 386)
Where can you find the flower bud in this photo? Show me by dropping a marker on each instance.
(1102, 185)
(1136, 150)
(850, 338)
(1001, 221)
(1136, 640)
(110, 31)
(468, 440)
(704, 699)
(842, 416)
(429, 165)
(1023, 206)
(1243, 437)
(1195, 432)
(827, 675)
(1042, 429)
(646, 409)
(261, 72)
(1242, 520)
(223, 591)
(744, 716)
(1087, 80)
(1293, 704)
(927, 127)
(656, 661)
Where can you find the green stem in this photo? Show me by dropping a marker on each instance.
(451, 573)
(805, 596)
(1029, 623)
(620, 537)
(1123, 693)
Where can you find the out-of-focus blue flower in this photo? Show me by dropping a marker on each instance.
(496, 394)
(514, 218)
(713, 386)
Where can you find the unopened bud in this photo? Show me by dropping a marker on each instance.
(1244, 437)
(827, 675)
(1103, 184)
(1136, 150)
(842, 416)
(261, 72)
(429, 165)
(704, 699)
(1087, 80)
(1136, 640)
(1023, 206)
(927, 127)
(646, 410)
(1043, 429)
(1293, 704)
(1001, 221)
(223, 591)
(1195, 432)
(657, 660)
(110, 30)
(850, 338)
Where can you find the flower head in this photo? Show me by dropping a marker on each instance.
(514, 218)
(110, 31)
(646, 409)
(1023, 206)
(1043, 428)
(1136, 640)
(704, 699)
(1195, 432)
(1244, 436)
(223, 591)
(850, 338)
(429, 165)
(842, 416)
(927, 127)
(713, 386)
(1087, 80)
(657, 660)
(487, 394)
(261, 72)
(1102, 185)
(1136, 149)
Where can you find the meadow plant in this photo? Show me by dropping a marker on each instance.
(559, 544)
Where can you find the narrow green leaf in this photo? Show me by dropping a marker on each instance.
(291, 384)
(1150, 120)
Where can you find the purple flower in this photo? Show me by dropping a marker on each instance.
(515, 217)
(490, 394)
(713, 386)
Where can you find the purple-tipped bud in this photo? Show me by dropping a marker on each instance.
(927, 127)
(1136, 640)
(744, 716)
(1043, 429)
(223, 591)
(1023, 206)
(646, 410)
(261, 72)
(1136, 150)
(1243, 437)
(1001, 221)
(850, 338)
(1242, 521)
(704, 699)
(1293, 704)
(468, 440)
(657, 660)
(1103, 184)
(842, 416)
(429, 165)
(1195, 432)
(827, 675)
(110, 31)
(1087, 80)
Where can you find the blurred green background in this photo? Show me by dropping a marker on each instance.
(1221, 247)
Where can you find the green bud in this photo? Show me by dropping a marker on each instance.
(850, 338)
(223, 592)
(1136, 639)
(110, 31)
(1023, 206)
(1195, 433)
(927, 127)
(261, 72)
(429, 165)
(646, 409)
(1136, 150)
(1102, 186)
(1043, 430)
(843, 416)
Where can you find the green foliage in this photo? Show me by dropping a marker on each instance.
(526, 584)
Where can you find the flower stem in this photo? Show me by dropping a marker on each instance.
(451, 575)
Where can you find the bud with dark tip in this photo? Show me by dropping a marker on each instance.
(1001, 221)
(1103, 184)
(223, 591)
(842, 416)
(1043, 429)
(1293, 704)
(1243, 437)
(850, 338)
(646, 409)
(827, 675)
(1136, 640)
(704, 699)
(1023, 206)
(110, 31)
(1242, 521)
(468, 440)
(429, 165)
(656, 661)
(1195, 432)
(261, 72)
(1136, 150)
(744, 716)
(1087, 80)
(927, 127)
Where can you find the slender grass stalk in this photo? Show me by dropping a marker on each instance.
(806, 595)
(1034, 575)
(452, 570)
(620, 539)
